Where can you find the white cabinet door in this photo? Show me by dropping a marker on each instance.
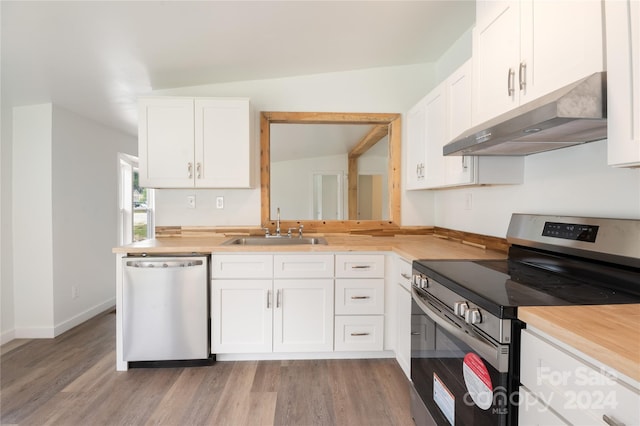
(623, 82)
(303, 316)
(435, 137)
(165, 142)
(222, 143)
(561, 42)
(241, 313)
(496, 52)
(526, 49)
(459, 170)
(416, 133)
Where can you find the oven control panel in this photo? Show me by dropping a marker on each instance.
(570, 231)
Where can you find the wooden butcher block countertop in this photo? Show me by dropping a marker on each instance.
(410, 247)
(607, 333)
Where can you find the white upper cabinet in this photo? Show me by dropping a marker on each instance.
(623, 82)
(437, 119)
(526, 49)
(194, 143)
(416, 128)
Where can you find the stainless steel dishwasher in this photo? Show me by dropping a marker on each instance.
(165, 308)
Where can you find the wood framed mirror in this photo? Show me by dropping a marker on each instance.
(284, 144)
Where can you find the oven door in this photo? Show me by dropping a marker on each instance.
(461, 377)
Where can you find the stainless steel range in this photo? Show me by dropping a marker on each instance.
(465, 345)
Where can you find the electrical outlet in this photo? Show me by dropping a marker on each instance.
(219, 202)
(74, 292)
(468, 201)
(191, 201)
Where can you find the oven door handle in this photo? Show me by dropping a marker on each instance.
(496, 355)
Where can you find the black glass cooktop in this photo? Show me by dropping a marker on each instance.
(532, 279)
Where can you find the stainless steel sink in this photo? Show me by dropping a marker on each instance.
(273, 241)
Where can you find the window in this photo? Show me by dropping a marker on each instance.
(135, 204)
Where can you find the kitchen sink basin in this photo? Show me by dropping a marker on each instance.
(274, 241)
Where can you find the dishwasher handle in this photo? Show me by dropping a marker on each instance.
(163, 263)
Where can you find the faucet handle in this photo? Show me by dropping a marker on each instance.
(300, 230)
(266, 231)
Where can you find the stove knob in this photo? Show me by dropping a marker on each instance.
(473, 316)
(424, 282)
(460, 308)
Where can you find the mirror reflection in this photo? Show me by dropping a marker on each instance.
(329, 171)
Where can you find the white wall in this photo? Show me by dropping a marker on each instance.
(570, 181)
(85, 194)
(64, 212)
(32, 221)
(392, 89)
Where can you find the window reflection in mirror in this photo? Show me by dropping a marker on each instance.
(310, 166)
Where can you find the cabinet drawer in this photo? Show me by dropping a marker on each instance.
(360, 266)
(533, 412)
(303, 266)
(359, 333)
(241, 266)
(577, 390)
(360, 296)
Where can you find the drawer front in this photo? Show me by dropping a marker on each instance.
(533, 412)
(303, 266)
(360, 265)
(241, 266)
(359, 333)
(360, 296)
(577, 390)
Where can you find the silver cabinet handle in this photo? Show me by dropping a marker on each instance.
(198, 170)
(415, 333)
(190, 170)
(522, 75)
(465, 164)
(361, 267)
(405, 276)
(359, 334)
(278, 299)
(611, 421)
(359, 297)
(268, 299)
(510, 76)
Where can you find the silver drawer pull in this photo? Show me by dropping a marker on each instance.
(359, 297)
(359, 334)
(415, 333)
(406, 276)
(361, 267)
(611, 421)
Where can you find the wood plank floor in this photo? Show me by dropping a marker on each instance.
(71, 380)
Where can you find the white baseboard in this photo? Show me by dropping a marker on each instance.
(83, 316)
(7, 336)
(68, 324)
(305, 355)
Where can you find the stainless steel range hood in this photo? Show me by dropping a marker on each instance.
(569, 116)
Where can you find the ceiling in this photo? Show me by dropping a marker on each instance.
(95, 58)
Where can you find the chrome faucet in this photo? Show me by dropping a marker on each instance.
(278, 222)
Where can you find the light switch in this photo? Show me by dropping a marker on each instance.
(191, 201)
(219, 202)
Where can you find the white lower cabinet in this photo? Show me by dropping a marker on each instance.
(241, 316)
(303, 315)
(403, 315)
(563, 386)
(359, 321)
(359, 332)
(293, 303)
